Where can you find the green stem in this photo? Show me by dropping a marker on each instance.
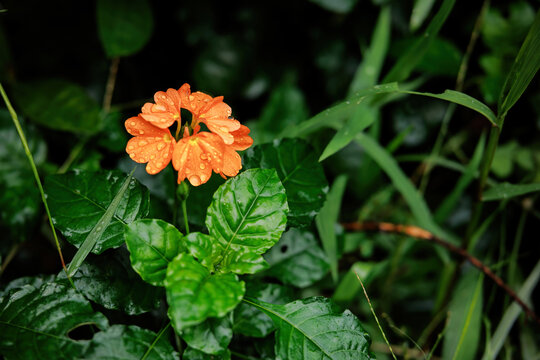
(73, 155)
(184, 211)
(161, 332)
(36, 174)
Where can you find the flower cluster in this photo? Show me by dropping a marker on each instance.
(194, 153)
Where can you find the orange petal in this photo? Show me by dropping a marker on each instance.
(241, 138)
(232, 163)
(195, 102)
(196, 156)
(150, 145)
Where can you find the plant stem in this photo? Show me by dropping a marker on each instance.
(184, 211)
(73, 155)
(111, 81)
(161, 332)
(36, 174)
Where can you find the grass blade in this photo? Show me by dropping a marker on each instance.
(506, 190)
(98, 230)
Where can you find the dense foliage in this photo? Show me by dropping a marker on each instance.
(344, 179)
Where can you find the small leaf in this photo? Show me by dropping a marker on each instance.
(246, 218)
(314, 328)
(252, 322)
(152, 245)
(78, 200)
(462, 335)
(297, 259)
(194, 294)
(193, 354)
(124, 26)
(121, 342)
(211, 337)
(35, 323)
(59, 105)
(301, 174)
(506, 191)
(110, 281)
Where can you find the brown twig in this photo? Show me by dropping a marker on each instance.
(109, 88)
(419, 233)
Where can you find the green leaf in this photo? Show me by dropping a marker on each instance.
(59, 105)
(522, 72)
(35, 323)
(462, 334)
(297, 259)
(99, 229)
(121, 342)
(337, 6)
(511, 314)
(420, 12)
(125, 26)
(402, 183)
(408, 61)
(326, 223)
(301, 174)
(369, 70)
(194, 294)
(211, 337)
(247, 217)
(152, 245)
(506, 191)
(110, 281)
(364, 116)
(314, 328)
(193, 354)
(252, 322)
(78, 201)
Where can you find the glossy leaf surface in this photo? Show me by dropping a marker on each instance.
(79, 199)
(300, 172)
(314, 328)
(152, 244)
(211, 337)
(194, 294)
(124, 25)
(35, 323)
(247, 217)
(297, 259)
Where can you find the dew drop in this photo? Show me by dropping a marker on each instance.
(203, 177)
(130, 147)
(202, 166)
(195, 180)
(225, 129)
(152, 157)
(99, 228)
(165, 155)
(160, 146)
(132, 155)
(141, 132)
(142, 143)
(204, 156)
(191, 97)
(133, 123)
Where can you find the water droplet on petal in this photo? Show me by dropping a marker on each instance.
(142, 143)
(132, 155)
(195, 180)
(133, 123)
(202, 166)
(141, 132)
(225, 129)
(160, 146)
(204, 156)
(152, 157)
(203, 177)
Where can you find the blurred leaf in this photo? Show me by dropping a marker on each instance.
(511, 314)
(246, 218)
(59, 105)
(252, 322)
(211, 337)
(326, 222)
(314, 328)
(420, 12)
(200, 198)
(114, 136)
(364, 116)
(110, 281)
(285, 107)
(525, 67)
(300, 172)
(194, 294)
(402, 183)
(297, 259)
(462, 334)
(125, 26)
(152, 245)
(506, 191)
(408, 61)
(20, 200)
(193, 354)
(35, 322)
(122, 342)
(337, 6)
(349, 285)
(79, 200)
(5, 55)
(503, 161)
(370, 68)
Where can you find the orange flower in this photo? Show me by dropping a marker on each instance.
(194, 156)
(150, 144)
(165, 111)
(213, 112)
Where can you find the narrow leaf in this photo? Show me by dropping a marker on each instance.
(462, 334)
(327, 220)
(420, 12)
(99, 229)
(314, 328)
(194, 294)
(506, 191)
(152, 244)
